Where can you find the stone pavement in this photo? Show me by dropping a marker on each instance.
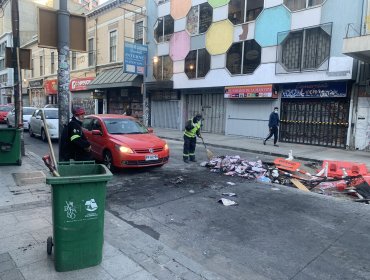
(243, 143)
(26, 219)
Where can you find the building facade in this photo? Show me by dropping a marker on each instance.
(234, 61)
(6, 74)
(109, 26)
(357, 45)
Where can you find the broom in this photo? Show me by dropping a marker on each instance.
(208, 151)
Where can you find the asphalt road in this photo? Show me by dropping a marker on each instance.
(275, 232)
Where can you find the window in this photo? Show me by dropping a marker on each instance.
(295, 5)
(41, 65)
(87, 123)
(199, 19)
(2, 55)
(91, 52)
(243, 57)
(3, 78)
(197, 64)
(304, 50)
(52, 63)
(164, 29)
(74, 60)
(162, 70)
(139, 32)
(113, 46)
(241, 11)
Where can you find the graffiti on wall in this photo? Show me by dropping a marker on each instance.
(87, 103)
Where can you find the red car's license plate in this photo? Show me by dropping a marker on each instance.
(151, 157)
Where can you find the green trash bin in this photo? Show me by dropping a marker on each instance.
(78, 203)
(10, 146)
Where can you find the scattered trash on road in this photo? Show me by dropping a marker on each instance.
(229, 194)
(227, 202)
(177, 180)
(332, 178)
(231, 183)
(191, 191)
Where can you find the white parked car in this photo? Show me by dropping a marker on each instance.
(27, 113)
(37, 125)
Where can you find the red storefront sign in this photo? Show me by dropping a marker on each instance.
(80, 84)
(51, 86)
(256, 91)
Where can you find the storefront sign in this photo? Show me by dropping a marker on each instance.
(51, 86)
(36, 83)
(80, 84)
(135, 58)
(98, 95)
(256, 91)
(315, 90)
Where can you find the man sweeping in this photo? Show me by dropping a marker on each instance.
(192, 129)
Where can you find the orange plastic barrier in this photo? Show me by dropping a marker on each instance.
(335, 168)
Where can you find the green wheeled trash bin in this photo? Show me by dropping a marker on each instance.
(10, 146)
(78, 203)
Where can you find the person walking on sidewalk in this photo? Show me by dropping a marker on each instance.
(192, 129)
(78, 146)
(273, 126)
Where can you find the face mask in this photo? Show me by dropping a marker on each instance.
(276, 111)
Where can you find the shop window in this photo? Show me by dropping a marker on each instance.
(74, 60)
(163, 29)
(113, 46)
(139, 32)
(91, 52)
(52, 62)
(305, 50)
(241, 11)
(163, 68)
(199, 19)
(295, 5)
(243, 57)
(197, 64)
(41, 65)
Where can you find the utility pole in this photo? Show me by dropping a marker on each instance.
(63, 68)
(17, 89)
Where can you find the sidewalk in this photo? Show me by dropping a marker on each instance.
(26, 219)
(243, 143)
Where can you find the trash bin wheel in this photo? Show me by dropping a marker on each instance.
(49, 245)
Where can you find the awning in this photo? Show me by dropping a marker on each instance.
(114, 78)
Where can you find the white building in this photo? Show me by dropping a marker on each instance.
(6, 74)
(234, 61)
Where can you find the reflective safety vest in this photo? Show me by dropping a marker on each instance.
(192, 133)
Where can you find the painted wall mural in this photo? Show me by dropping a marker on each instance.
(219, 37)
(180, 8)
(179, 45)
(267, 25)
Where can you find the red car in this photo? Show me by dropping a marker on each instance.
(123, 142)
(4, 110)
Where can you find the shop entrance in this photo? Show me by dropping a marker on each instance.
(212, 108)
(315, 121)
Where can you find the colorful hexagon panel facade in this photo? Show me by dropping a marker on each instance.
(180, 8)
(218, 3)
(269, 23)
(179, 45)
(219, 37)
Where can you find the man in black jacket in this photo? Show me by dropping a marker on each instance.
(273, 126)
(78, 146)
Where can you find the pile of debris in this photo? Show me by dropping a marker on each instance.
(334, 177)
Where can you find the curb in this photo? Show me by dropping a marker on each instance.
(249, 150)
